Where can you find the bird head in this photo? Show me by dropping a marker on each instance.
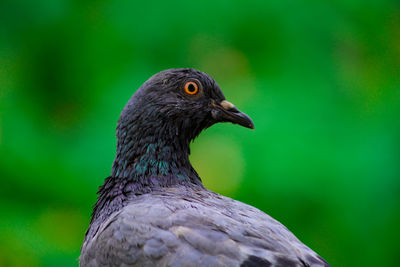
(185, 101)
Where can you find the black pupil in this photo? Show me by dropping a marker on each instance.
(191, 88)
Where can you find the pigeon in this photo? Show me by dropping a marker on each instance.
(153, 209)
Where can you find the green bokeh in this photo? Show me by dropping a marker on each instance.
(321, 79)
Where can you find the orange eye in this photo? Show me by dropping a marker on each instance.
(191, 88)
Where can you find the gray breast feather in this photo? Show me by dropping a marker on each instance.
(175, 227)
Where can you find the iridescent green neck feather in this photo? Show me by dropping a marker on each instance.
(151, 154)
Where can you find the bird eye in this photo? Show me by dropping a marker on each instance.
(191, 88)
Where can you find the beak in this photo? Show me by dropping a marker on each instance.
(227, 112)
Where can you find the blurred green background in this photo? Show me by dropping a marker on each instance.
(320, 79)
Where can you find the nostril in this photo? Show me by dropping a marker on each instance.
(227, 105)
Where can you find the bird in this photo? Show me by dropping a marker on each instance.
(153, 209)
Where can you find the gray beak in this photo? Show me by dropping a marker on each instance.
(227, 112)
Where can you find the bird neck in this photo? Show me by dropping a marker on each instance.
(143, 163)
(159, 158)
